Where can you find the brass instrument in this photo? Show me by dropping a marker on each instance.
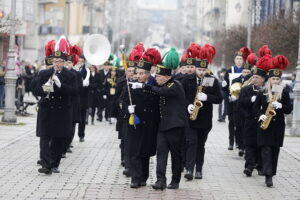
(197, 103)
(49, 85)
(270, 113)
(235, 89)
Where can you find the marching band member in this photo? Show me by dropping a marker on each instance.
(72, 61)
(94, 92)
(270, 106)
(234, 72)
(55, 87)
(145, 105)
(173, 120)
(246, 104)
(204, 89)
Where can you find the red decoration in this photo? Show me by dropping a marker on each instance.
(184, 57)
(76, 50)
(49, 48)
(193, 51)
(280, 62)
(264, 50)
(246, 52)
(252, 59)
(265, 63)
(137, 52)
(152, 55)
(208, 52)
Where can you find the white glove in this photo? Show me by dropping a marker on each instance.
(48, 88)
(49, 82)
(136, 85)
(202, 96)
(277, 105)
(56, 81)
(113, 120)
(232, 98)
(131, 109)
(190, 108)
(224, 83)
(262, 118)
(85, 83)
(104, 97)
(253, 98)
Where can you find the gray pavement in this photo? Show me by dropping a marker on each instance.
(93, 170)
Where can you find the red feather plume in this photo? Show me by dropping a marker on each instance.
(49, 48)
(280, 62)
(75, 59)
(76, 50)
(137, 52)
(252, 59)
(193, 51)
(208, 52)
(264, 50)
(246, 52)
(265, 62)
(152, 55)
(184, 57)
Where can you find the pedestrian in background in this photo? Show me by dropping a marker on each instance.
(2, 83)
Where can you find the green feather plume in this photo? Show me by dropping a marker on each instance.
(171, 59)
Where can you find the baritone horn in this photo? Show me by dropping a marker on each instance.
(96, 49)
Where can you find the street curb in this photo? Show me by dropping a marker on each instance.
(294, 155)
(17, 139)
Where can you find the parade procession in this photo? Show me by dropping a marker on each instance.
(167, 114)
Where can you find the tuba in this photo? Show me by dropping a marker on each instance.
(235, 89)
(96, 49)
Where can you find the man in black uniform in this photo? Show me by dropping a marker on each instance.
(202, 87)
(56, 87)
(246, 105)
(173, 119)
(72, 60)
(142, 136)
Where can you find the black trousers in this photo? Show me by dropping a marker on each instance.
(51, 151)
(70, 139)
(169, 141)
(92, 112)
(251, 153)
(81, 126)
(195, 148)
(57, 148)
(269, 156)
(45, 151)
(125, 144)
(231, 129)
(139, 169)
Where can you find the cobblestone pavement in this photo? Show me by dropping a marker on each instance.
(93, 171)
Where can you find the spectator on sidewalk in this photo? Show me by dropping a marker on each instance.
(2, 83)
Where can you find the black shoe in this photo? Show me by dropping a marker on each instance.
(134, 185)
(126, 172)
(230, 147)
(189, 175)
(173, 186)
(100, 120)
(69, 150)
(241, 152)
(247, 172)
(159, 186)
(198, 175)
(71, 146)
(269, 181)
(143, 184)
(81, 139)
(39, 162)
(63, 155)
(55, 170)
(45, 170)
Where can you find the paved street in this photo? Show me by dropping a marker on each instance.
(93, 170)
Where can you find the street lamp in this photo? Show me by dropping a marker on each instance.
(10, 77)
(296, 110)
